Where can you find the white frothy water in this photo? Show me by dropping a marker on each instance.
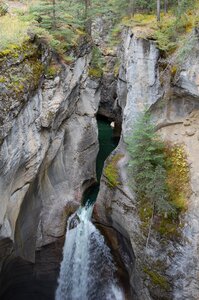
(87, 270)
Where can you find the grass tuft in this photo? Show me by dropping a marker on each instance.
(12, 31)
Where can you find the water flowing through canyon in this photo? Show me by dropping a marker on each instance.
(107, 143)
(87, 270)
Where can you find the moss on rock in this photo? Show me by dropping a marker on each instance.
(52, 70)
(95, 72)
(157, 279)
(21, 68)
(111, 171)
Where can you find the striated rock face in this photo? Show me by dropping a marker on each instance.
(47, 160)
(138, 85)
(165, 269)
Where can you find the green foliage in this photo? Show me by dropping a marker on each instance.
(116, 67)
(177, 176)
(68, 59)
(126, 8)
(114, 35)
(97, 63)
(2, 79)
(51, 71)
(157, 279)
(168, 227)
(160, 175)
(3, 9)
(48, 13)
(145, 213)
(183, 6)
(167, 35)
(95, 73)
(147, 165)
(12, 31)
(111, 171)
(61, 21)
(170, 32)
(20, 80)
(187, 47)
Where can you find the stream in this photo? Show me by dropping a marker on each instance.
(87, 270)
(107, 143)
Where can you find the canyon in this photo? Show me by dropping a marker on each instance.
(48, 152)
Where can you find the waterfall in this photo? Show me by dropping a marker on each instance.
(87, 269)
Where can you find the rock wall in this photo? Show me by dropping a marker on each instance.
(138, 83)
(47, 159)
(164, 269)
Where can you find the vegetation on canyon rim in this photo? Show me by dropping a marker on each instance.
(64, 23)
(160, 177)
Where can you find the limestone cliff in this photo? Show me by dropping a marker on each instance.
(165, 269)
(48, 151)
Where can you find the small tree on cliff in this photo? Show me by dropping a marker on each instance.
(147, 165)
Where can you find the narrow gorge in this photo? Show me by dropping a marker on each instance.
(72, 226)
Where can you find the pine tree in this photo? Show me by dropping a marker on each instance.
(48, 13)
(147, 165)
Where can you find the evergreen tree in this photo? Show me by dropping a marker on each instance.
(48, 13)
(147, 165)
(53, 14)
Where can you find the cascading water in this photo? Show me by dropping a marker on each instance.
(87, 270)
